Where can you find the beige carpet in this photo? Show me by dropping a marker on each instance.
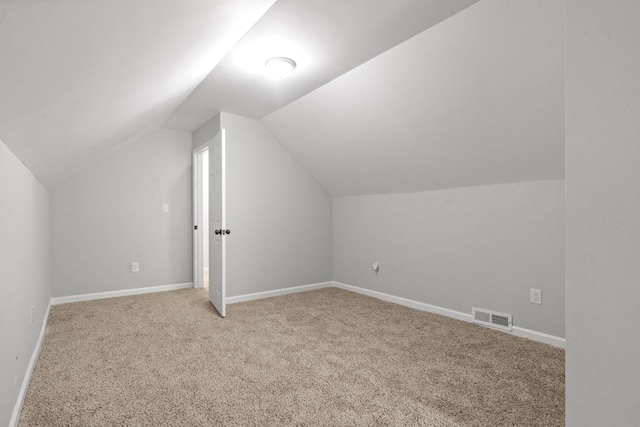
(326, 357)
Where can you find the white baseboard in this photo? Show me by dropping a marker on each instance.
(15, 417)
(521, 332)
(278, 292)
(122, 293)
(406, 302)
(539, 336)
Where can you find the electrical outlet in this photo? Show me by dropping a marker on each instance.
(535, 296)
(135, 267)
(376, 267)
(165, 207)
(32, 315)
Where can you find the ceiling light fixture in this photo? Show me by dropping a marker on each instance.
(279, 68)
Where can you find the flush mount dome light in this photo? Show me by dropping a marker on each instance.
(279, 68)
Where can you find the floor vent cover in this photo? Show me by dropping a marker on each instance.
(492, 318)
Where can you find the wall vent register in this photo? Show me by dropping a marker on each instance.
(493, 319)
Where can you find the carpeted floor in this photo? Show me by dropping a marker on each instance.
(327, 357)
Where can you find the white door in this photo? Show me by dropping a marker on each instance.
(217, 227)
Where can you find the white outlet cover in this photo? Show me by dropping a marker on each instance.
(535, 296)
(165, 207)
(135, 267)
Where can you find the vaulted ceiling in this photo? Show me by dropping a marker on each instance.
(80, 79)
(388, 95)
(477, 99)
(325, 38)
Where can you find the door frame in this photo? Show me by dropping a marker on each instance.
(198, 260)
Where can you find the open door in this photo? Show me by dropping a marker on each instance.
(217, 227)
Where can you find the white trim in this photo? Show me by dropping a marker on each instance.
(518, 331)
(15, 417)
(278, 292)
(194, 200)
(200, 148)
(196, 186)
(122, 293)
(539, 336)
(406, 302)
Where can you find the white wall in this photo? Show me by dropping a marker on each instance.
(482, 246)
(111, 215)
(603, 213)
(279, 216)
(24, 273)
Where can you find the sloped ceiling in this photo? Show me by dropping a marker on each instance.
(474, 96)
(477, 99)
(325, 38)
(81, 79)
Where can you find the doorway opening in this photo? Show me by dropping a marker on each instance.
(201, 217)
(209, 201)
